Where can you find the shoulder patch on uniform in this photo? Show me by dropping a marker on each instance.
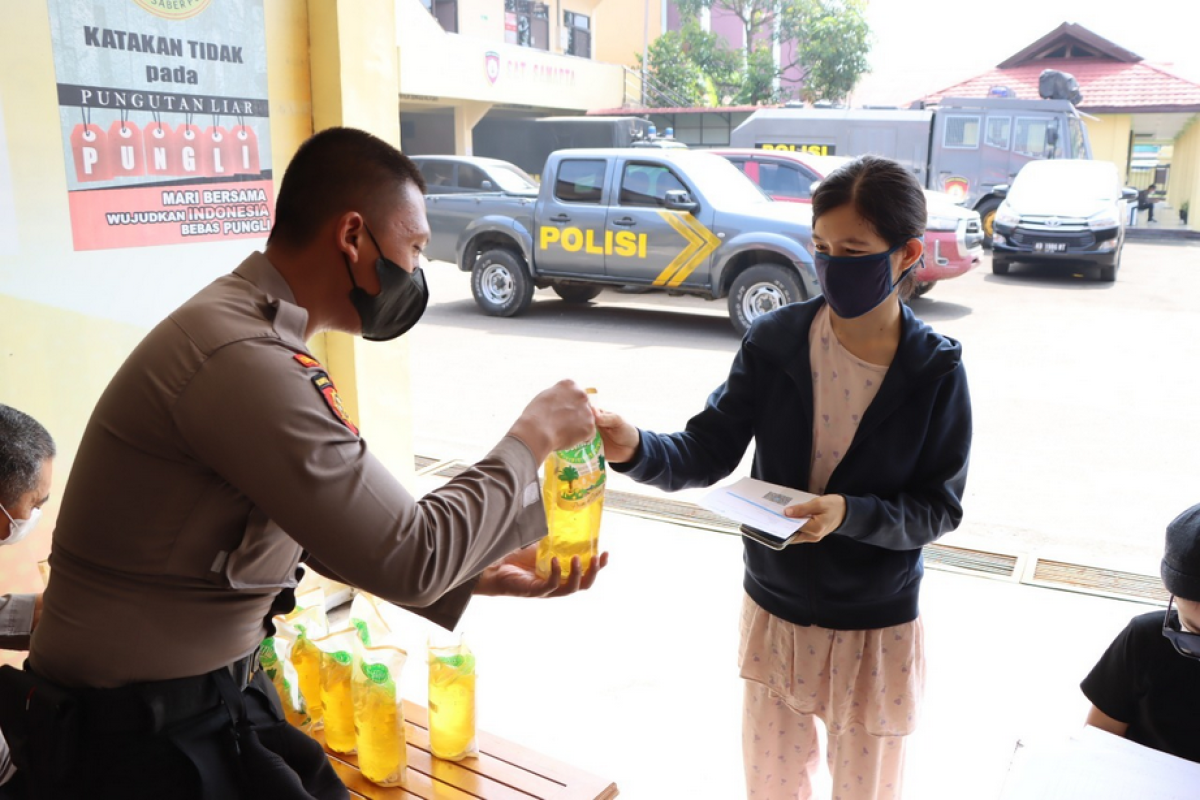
(307, 361)
(332, 399)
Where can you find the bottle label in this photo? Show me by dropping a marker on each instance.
(581, 475)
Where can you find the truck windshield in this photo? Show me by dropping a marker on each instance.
(718, 179)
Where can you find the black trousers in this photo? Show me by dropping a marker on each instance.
(135, 744)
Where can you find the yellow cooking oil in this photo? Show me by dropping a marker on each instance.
(382, 755)
(451, 704)
(337, 666)
(573, 495)
(306, 658)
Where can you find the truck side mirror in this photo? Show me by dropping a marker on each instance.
(1001, 190)
(1129, 194)
(485, 185)
(679, 200)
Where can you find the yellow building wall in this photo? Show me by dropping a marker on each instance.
(620, 27)
(68, 319)
(1185, 173)
(1109, 134)
(481, 19)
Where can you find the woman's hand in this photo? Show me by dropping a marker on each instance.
(826, 514)
(621, 440)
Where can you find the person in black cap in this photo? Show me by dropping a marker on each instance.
(1146, 686)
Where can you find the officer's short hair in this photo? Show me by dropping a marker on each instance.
(335, 171)
(24, 446)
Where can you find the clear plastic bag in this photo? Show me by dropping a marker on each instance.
(451, 700)
(379, 714)
(337, 667)
(306, 624)
(275, 655)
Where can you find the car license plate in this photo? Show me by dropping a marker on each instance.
(1049, 247)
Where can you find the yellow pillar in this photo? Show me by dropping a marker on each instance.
(355, 83)
(466, 116)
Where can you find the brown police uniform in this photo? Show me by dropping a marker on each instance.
(218, 455)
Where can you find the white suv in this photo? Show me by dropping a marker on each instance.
(1062, 211)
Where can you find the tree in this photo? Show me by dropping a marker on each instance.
(832, 41)
(691, 67)
(831, 38)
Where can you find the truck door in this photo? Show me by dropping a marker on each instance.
(569, 239)
(957, 159)
(651, 244)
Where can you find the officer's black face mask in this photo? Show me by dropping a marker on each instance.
(400, 303)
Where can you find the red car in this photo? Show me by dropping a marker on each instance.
(953, 234)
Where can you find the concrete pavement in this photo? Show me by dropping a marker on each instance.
(637, 679)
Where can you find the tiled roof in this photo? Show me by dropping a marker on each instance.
(1106, 86)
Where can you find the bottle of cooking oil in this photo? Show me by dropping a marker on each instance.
(573, 495)
(451, 700)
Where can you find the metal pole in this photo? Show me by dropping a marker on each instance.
(645, 45)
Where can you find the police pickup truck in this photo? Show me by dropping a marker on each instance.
(678, 221)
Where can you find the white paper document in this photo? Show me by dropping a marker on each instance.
(759, 505)
(1095, 765)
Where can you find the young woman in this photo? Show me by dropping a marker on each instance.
(850, 397)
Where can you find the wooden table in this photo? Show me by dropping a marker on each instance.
(502, 771)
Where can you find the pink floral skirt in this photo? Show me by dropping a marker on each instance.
(873, 678)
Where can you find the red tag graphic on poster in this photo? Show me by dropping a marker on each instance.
(125, 142)
(216, 152)
(89, 145)
(245, 143)
(161, 147)
(189, 137)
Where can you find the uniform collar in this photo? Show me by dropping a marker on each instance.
(290, 319)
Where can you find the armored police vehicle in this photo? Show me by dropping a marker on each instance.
(676, 221)
(964, 147)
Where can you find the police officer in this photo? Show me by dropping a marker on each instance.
(219, 458)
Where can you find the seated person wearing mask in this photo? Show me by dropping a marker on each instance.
(26, 468)
(1146, 686)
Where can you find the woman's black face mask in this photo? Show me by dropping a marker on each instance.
(400, 303)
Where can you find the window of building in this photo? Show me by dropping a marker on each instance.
(580, 180)
(445, 12)
(527, 24)
(648, 184)
(999, 129)
(961, 132)
(578, 33)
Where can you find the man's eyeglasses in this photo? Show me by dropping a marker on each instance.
(1186, 643)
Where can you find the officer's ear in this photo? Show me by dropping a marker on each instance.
(349, 233)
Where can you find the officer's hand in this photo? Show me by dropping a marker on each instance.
(557, 419)
(621, 439)
(515, 576)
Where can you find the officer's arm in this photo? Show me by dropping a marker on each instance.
(267, 425)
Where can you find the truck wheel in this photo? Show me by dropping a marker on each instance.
(501, 284)
(987, 219)
(923, 288)
(759, 290)
(576, 292)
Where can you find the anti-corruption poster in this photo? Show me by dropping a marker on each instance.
(163, 106)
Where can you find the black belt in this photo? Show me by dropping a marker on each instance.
(155, 705)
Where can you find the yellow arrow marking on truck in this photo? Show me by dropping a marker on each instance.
(701, 243)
